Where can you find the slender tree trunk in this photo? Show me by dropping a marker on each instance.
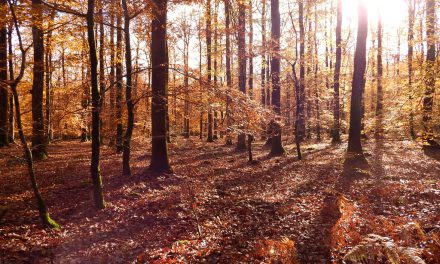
(186, 42)
(228, 72)
(119, 85)
(38, 139)
(49, 88)
(411, 19)
(251, 51)
(159, 106)
(101, 61)
(215, 136)
(208, 62)
(430, 75)
(4, 98)
(379, 102)
(336, 133)
(241, 140)
(317, 82)
(112, 78)
(96, 130)
(263, 63)
(301, 96)
(358, 84)
(128, 90)
(277, 147)
(11, 78)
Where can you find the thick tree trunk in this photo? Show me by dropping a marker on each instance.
(159, 108)
(128, 95)
(430, 75)
(96, 130)
(4, 98)
(336, 133)
(358, 84)
(277, 147)
(119, 85)
(241, 140)
(38, 139)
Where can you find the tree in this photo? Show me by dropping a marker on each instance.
(228, 70)
(43, 212)
(301, 96)
(241, 140)
(159, 106)
(119, 85)
(208, 62)
(38, 138)
(430, 75)
(411, 18)
(277, 147)
(336, 133)
(4, 98)
(379, 101)
(96, 104)
(358, 83)
(128, 93)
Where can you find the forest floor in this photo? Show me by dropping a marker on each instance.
(216, 207)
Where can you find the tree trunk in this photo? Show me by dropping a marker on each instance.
(186, 42)
(241, 140)
(112, 77)
(38, 139)
(302, 73)
(48, 71)
(4, 98)
(251, 52)
(358, 83)
(277, 147)
(159, 108)
(336, 133)
(96, 130)
(430, 75)
(119, 85)
(379, 99)
(101, 61)
(208, 62)
(411, 19)
(128, 95)
(11, 78)
(228, 71)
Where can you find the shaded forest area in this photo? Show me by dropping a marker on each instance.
(219, 131)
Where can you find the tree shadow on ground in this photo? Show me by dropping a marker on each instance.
(432, 152)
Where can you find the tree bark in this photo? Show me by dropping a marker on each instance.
(358, 83)
(4, 98)
(336, 133)
(228, 71)
(38, 139)
(119, 85)
(277, 147)
(128, 93)
(209, 66)
(241, 140)
(379, 99)
(430, 75)
(302, 73)
(411, 19)
(159, 108)
(96, 130)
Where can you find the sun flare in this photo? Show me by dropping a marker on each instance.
(393, 12)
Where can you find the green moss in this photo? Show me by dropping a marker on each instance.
(49, 222)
